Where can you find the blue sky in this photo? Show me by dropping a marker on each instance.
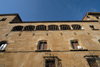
(49, 10)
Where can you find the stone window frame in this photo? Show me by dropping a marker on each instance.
(38, 50)
(78, 45)
(57, 60)
(96, 57)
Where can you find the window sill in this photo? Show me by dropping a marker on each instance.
(2, 50)
(79, 50)
(42, 50)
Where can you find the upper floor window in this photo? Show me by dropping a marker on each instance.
(17, 28)
(92, 62)
(65, 27)
(41, 27)
(42, 45)
(75, 44)
(93, 28)
(29, 28)
(3, 44)
(76, 27)
(53, 27)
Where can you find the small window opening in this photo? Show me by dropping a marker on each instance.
(50, 63)
(65, 27)
(42, 45)
(53, 27)
(76, 27)
(3, 44)
(75, 44)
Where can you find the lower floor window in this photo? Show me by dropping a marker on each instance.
(92, 62)
(50, 63)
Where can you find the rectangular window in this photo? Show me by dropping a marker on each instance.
(42, 45)
(50, 63)
(92, 62)
(75, 45)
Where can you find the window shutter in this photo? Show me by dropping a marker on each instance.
(75, 45)
(45, 45)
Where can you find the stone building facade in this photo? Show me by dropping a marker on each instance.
(50, 43)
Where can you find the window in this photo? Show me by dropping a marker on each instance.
(65, 27)
(92, 60)
(42, 45)
(53, 27)
(29, 28)
(17, 28)
(76, 27)
(41, 27)
(3, 19)
(75, 44)
(50, 63)
(92, 27)
(3, 44)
